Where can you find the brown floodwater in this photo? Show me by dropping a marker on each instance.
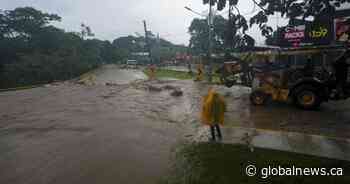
(127, 132)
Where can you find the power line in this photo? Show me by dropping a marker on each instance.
(147, 40)
(254, 10)
(175, 35)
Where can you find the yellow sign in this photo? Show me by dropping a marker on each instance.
(320, 33)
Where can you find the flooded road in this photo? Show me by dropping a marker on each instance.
(83, 134)
(112, 74)
(127, 132)
(332, 119)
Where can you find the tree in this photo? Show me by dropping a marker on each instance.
(85, 31)
(161, 49)
(24, 22)
(221, 40)
(25, 28)
(130, 43)
(199, 32)
(34, 51)
(289, 9)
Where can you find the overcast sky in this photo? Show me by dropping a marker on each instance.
(110, 19)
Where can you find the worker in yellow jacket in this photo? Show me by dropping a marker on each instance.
(152, 71)
(200, 72)
(213, 110)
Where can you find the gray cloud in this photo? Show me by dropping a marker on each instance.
(110, 19)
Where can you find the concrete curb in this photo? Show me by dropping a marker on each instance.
(316, 145)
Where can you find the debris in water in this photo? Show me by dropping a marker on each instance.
(154, 88)
(247, 139)
(227, 94)
(107, 96)
(87, 80)
(57, 83)
(169, 87)
(176, 93)
(111, 84)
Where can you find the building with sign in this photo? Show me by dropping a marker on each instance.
(328, 30)
(306, 33)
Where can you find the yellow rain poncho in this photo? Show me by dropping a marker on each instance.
(213, 109)
(152, 72)
(200, 74)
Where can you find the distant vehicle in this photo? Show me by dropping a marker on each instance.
(131, 64)
(234, 72)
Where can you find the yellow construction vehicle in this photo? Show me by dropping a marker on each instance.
(305, 76)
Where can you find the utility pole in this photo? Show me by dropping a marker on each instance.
(210, 26)
(210, 68)
(148, 47)
(158, 45)
(229, 27)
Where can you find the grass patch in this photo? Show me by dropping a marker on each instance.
(180, 75)
(162, 73)
(21, 88)
(207, 163)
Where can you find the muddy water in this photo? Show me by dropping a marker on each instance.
(112, 74)
(85, 134)
(125, 133)
(332, 119)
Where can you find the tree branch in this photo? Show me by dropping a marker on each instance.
(308, 9)
(237, 10)
(262, 8)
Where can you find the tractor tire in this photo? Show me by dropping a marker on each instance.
(307, 97)
(258, 98)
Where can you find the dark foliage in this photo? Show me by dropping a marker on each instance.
(32, 51)
(288, 8)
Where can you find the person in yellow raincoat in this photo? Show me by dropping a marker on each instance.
(200, 70)
(152, 71)
(213, 110)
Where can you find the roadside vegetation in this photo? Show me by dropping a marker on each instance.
(33, 51)
(164, 73)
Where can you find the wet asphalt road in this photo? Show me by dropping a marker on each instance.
(69, 133)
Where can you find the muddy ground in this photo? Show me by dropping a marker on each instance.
(126, 132)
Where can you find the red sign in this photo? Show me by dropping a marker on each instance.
(310, 33)
(342, 29)
(294, 35)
